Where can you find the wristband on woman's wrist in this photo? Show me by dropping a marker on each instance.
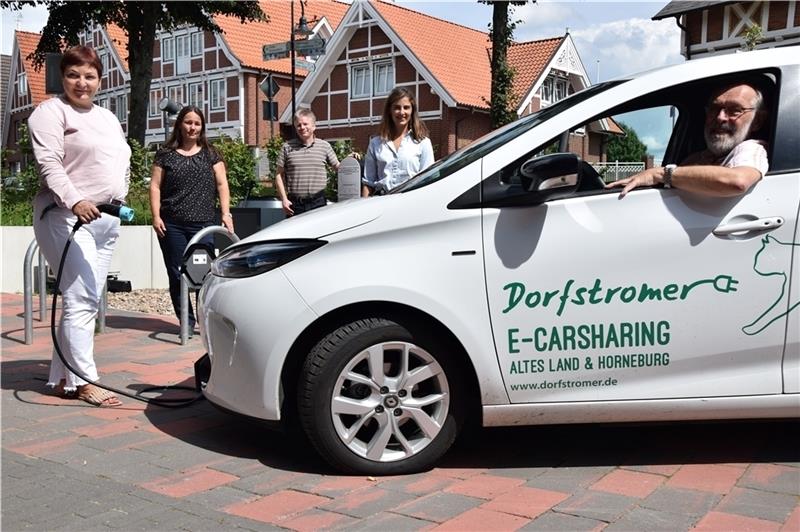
(227, 215)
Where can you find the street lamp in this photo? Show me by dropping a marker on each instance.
(303, 30)
(169, 108)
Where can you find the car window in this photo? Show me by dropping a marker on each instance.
(489, 142)
(616, 146)
(634, 141)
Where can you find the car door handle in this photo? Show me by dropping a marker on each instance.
(759, 224)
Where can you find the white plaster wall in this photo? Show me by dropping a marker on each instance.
(137, 257)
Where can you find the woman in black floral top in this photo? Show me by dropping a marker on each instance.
(188, 175)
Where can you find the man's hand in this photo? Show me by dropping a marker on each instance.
(287, 207)
(646, 178)
(85, 211)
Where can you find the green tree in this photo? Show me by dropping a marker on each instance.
(16, 195)
(140, 21)
(139, 188)
(273, 148)
(240, 165)
(501, 32)
(626, 147)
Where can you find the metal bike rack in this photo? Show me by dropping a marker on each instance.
(27, 289)
(186, 282)
(27, 293)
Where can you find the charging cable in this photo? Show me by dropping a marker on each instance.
(126, 214)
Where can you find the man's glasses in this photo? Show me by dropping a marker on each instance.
(730, 112)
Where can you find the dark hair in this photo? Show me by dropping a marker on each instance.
(415, 125)
(81, 55)
(176, 138)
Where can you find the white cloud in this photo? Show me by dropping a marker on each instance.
(629, 46)
(26, 19)
(543, 14)
(653, 144)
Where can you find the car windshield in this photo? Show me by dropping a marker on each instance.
(465, 156)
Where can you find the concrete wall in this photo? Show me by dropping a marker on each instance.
(137, 257)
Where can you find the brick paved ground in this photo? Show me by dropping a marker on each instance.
(69, 466)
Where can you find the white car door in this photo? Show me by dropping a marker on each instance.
(594, 298)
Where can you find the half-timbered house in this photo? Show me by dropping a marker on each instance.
(709, 28)
(380, 45)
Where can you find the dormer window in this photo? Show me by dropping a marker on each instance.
(553, 89)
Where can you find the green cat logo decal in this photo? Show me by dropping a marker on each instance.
(769, 262)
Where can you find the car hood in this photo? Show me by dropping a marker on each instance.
(319, 223)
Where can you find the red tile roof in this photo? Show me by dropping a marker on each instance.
(457, 56)
(460, 57)
(119, 39)
(27, 43)
(245, 40)
(529, 59)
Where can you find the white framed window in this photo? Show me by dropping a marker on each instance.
(155, 97)
(167, 49)
(175, 93)
(553, 89)
(360, 82)
(383, 78)
(182, 54)
(547, 90)
(104, 62)
(22, 84)
(560, 89)
(217, 94)
(103, 102)
(196, 94)
(197, 43)
(122, 108)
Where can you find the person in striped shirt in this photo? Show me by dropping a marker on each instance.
(302, 164)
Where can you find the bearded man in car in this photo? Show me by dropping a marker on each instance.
(732, 162)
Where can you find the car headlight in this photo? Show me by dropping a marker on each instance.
(260, 257)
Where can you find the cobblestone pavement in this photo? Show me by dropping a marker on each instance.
(70, 466)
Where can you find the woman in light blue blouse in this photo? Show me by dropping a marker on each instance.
(402, 149)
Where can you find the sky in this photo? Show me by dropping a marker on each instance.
(612, 38)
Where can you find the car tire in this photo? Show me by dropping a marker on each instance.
(367, 411)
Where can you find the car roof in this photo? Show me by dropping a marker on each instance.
(721, 64)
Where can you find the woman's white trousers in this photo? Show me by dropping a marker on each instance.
(82, 283)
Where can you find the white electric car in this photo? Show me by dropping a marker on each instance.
(505, 285)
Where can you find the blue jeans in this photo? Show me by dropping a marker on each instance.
(173, 244)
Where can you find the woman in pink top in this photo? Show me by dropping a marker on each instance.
(83, 160)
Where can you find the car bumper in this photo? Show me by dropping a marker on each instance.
(248, 326)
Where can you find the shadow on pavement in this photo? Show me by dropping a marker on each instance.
(511, 447)
(628, 444)
(203, 425)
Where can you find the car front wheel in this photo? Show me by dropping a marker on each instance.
(375, 398)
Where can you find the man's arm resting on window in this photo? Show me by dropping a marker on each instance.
(710, 180)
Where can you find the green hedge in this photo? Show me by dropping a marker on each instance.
(17, 193)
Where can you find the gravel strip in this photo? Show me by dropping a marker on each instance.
(147, 300)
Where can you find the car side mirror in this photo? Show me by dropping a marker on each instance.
(551, 176)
